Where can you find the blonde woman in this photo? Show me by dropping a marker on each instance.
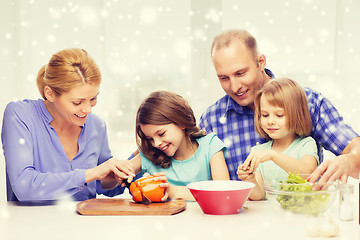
(55, 147)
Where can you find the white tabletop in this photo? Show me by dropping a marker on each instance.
(258, 221)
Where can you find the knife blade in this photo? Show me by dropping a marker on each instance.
(146, 200)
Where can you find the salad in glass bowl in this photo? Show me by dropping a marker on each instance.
(296, 195)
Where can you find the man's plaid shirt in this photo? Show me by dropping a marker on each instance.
(234, 125)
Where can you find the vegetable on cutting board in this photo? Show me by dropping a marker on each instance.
(147, 187)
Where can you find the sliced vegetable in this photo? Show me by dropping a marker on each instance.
(147, 186)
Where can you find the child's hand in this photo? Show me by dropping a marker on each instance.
(256, 157)
(162, 177)
(244, 174)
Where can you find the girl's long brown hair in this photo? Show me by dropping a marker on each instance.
(161, 108)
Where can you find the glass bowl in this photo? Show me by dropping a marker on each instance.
(301, 198)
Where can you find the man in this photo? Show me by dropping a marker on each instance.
(241, 72)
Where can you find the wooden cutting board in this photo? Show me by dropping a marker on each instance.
(128, 207)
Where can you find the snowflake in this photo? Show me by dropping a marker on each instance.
(8, 35)
(213, 15)
(51, 38)
(89, 16)
(222, 120)
(22, 141)
(148, 15)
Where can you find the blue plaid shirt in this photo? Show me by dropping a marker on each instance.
(234, 125)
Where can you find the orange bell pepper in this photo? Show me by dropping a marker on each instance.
(149, 187)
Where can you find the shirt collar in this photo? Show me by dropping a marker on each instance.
(269, 73)
(232, 105)
(44, 111)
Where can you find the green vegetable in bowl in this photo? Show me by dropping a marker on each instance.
(297, 196)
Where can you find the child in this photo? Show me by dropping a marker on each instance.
(172, 146)
(282, 116)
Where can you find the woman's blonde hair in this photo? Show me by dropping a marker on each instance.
(161, 108)
(67, 69)
(287, 94)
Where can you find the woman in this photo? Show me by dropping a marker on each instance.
(55, 147)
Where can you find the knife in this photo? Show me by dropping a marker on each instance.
(146, 200)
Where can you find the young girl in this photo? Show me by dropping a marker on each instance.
(282, 116)
(170, 142)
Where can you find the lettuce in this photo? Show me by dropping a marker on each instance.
(298, 196)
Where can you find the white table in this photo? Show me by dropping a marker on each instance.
(258, 221)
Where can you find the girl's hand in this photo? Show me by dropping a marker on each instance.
(162, 177)
(245, 174)
(256, 157)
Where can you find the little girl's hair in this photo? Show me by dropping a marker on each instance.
(161, 108)
(287, 94)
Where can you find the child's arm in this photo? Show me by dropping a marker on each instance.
(219, 170)
(182, 192)
(174, 192)
(305, 165)
(258, 192)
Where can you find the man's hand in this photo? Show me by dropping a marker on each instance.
(331, 170)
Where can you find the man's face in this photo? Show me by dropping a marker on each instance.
(240, 75)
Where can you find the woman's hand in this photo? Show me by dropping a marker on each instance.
(111, 169)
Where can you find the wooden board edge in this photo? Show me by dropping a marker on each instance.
(82, 212)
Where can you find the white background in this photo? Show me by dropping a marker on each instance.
(147, 45)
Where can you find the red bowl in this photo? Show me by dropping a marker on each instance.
(221, 197)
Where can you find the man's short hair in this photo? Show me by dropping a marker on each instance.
(225, 38)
